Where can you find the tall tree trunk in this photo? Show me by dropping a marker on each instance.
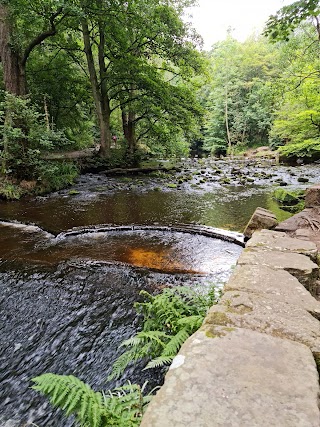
(105, 101)
(99, 101)
(13, 68)
(227, 122)
(129, 130)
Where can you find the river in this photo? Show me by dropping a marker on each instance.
(72, 264)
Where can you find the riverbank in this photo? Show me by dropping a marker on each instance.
(254, 361)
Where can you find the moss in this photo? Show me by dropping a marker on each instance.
(172, 185)
(73, 192)
(209, 334)
(218, 318)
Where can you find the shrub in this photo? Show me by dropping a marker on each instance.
(169, 318)
(308, 150)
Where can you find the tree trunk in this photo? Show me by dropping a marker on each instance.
(13, 70)
(100, 101)
(105, 102)
(129, 130)
(227, 123)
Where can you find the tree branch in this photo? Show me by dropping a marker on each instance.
(43, 36)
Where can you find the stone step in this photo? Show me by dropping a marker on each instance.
(238, 378)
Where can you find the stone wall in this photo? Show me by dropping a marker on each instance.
(253, 362)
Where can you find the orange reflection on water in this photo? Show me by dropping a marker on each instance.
(158, 259)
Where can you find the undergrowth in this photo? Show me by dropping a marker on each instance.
(169, 318)
(121, 407)
(308, 150)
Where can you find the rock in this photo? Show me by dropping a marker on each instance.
(266, 314)
(303, 179)
(261, 218)
(312, 198)
(300, 266)
(279, 284)
(275, 241)
(240, 378)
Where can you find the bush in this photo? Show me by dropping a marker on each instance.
(308, 150)
(169, 318)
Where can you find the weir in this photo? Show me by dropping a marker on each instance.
(254, 360)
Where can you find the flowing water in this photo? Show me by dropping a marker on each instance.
(73, 263)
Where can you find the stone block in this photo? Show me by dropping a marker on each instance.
(266, 314)
(312, 198)
(243, 378)
(276, 241)
(300, 266)
(278, 284)
(261, 218)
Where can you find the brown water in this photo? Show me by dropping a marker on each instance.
(66, 297)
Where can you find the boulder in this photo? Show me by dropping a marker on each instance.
(261, 219)
(313, 197)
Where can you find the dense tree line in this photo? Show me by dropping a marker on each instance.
(265, 91)
(129, 75)
(97, 71)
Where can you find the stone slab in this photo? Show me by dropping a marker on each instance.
(277, 241)
(278, 284)
(261, 218)
(266, 314)
(300, 266)
(243, 378)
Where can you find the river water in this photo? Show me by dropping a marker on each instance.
(72, 264)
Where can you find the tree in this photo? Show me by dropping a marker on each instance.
(240, 98)
(288, 18)
(21, 31)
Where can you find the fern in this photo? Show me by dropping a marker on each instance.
(169, 318)
(122, 407)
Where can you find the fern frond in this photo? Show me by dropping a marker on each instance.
(191, 322)
(73, 396)
(122, 362)
(174, 345)
(159, 362)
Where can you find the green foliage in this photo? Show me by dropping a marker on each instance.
(239, 95)
(288, 18)
(308, 150)
(169, 318)
(55, 175)
(24, 138)
(121, 407)
(290, 200)
(9, 190)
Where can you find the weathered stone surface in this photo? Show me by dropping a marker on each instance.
(300, 266)
(278, 284)
(244, 378)
(312, 198)
(260, 219)
(275, 241)
(264, 313)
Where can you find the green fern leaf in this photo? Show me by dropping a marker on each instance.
(159, 362)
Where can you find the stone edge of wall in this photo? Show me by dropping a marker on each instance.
(253, 362)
